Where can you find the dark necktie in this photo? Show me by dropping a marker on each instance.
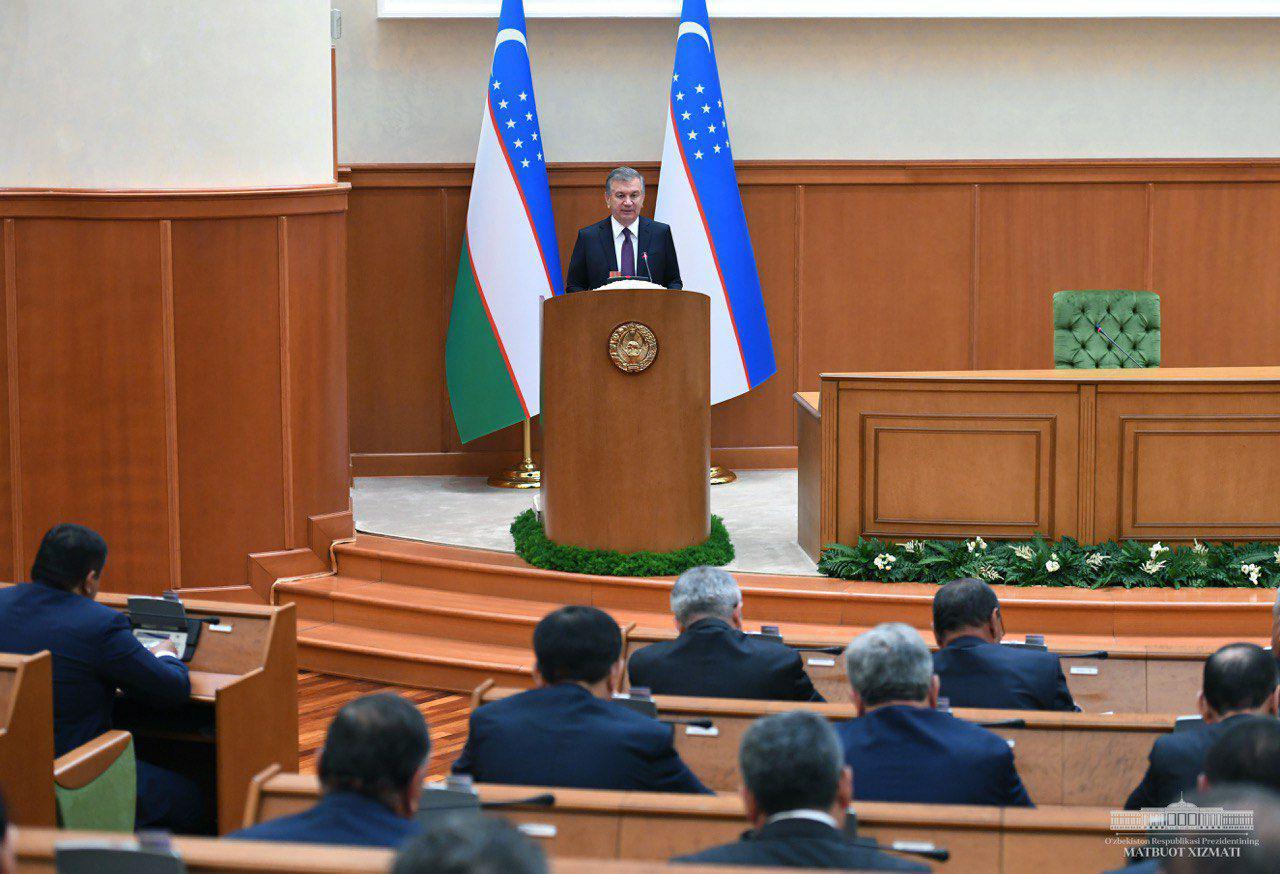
(628, 265)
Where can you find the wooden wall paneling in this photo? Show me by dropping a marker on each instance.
(11, 563)
(1035, 240)
(887, 271)
(227, 341)
(318, 368)
(1217, 269)
(762, 417)
(90, 374)
(396, 256)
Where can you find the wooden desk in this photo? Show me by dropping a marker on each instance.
(243, 714)
(655, 826)
(1140, 675)
(1069, 759)
(1163, 454)
(26, 737)
(34, 848)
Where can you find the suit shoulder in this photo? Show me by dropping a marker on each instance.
(658, 227)
(983, 739)
(656, 650)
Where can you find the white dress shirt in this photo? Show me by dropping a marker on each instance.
(815, 815)
(635, 243)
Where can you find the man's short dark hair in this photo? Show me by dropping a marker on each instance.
(374, 747)
(67, 554)
(577, 644)
(791, 761)
(472, 843)
(1247, 752)
(1239, 676)
(966, 603)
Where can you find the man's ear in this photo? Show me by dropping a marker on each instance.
(1207, 713)
(859, 707)
(935, 686)
(1273, 703)
(735, 619)
(618, 675)
(91, 584)
(413, 792)
(755, 815)
(538, 680)
(996, 625)
(844, 792)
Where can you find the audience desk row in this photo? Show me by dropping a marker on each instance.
(242, 715)
(1064, 758)
(639, 826)
(1136, 676)
(35, 849)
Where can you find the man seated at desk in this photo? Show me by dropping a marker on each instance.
(901, 747)
(371, 771)
(796, 790)
(567, 732)
(94, 655)
(972, 666)
(713, 657)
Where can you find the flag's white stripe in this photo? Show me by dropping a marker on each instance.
(507, 261)
(510, 33)
(679, 208)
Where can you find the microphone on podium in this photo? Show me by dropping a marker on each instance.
(1098, 327)
(644, 256)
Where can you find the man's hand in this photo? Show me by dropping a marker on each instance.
(162, 648)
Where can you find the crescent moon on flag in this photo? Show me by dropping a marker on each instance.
(695, 28)
(510, 34)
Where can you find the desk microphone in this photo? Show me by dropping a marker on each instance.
(644, 256)
(1115, 345)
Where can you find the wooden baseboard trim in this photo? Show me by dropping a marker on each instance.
(485, 463)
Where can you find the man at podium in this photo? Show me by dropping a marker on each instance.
(626, 243)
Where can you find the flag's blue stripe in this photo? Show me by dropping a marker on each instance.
(511, 68)
(716, 186)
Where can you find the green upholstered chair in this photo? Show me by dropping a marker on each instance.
(1130, 318)
(96, 784)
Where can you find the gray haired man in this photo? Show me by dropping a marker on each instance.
(626, 244)
(902, 747)
(713, 657)
(796, 789)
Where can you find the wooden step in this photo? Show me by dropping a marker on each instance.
(411, 659)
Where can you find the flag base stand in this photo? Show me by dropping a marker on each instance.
(526, 474)
(721, 475)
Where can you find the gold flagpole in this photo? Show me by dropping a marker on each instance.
(721, 475)
(524, 475)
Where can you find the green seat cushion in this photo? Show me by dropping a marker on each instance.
(1130, 318)
(106, 804)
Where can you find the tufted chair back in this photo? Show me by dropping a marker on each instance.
(1130, 318)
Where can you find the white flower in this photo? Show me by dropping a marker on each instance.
(1095, 559)
(987, 572)
(1026, 553)
(1153, 567)
(912, 546)
(1252, 571)
(1051, 566)
(884, 561)
(1200, 549)
(1277, 556)
(1157, 548)
(976, 543)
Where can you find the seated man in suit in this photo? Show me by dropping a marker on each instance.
(624, 244)
(94, 655)
(469, 843)
(567, 731)
(371, 771)
(1239, 683)
(796, 789)
(1247, 751)
(902, 748)
(972, 666)
(713, 657)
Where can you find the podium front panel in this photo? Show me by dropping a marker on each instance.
(626, 454)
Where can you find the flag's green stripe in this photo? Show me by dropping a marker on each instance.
(480, 388)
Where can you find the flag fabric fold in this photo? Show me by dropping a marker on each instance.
(510, 262)
(698, 197)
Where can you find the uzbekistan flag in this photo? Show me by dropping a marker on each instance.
(698, 196)
(510, 262)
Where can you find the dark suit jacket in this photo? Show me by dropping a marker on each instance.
(94, 654)
(562, 735)
(713, 659)
(594, 258)
(975, 673)
(916, 754)
(339, 818)
(1175, 762)
(800, 843)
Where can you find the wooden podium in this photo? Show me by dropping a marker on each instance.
(626, 444)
